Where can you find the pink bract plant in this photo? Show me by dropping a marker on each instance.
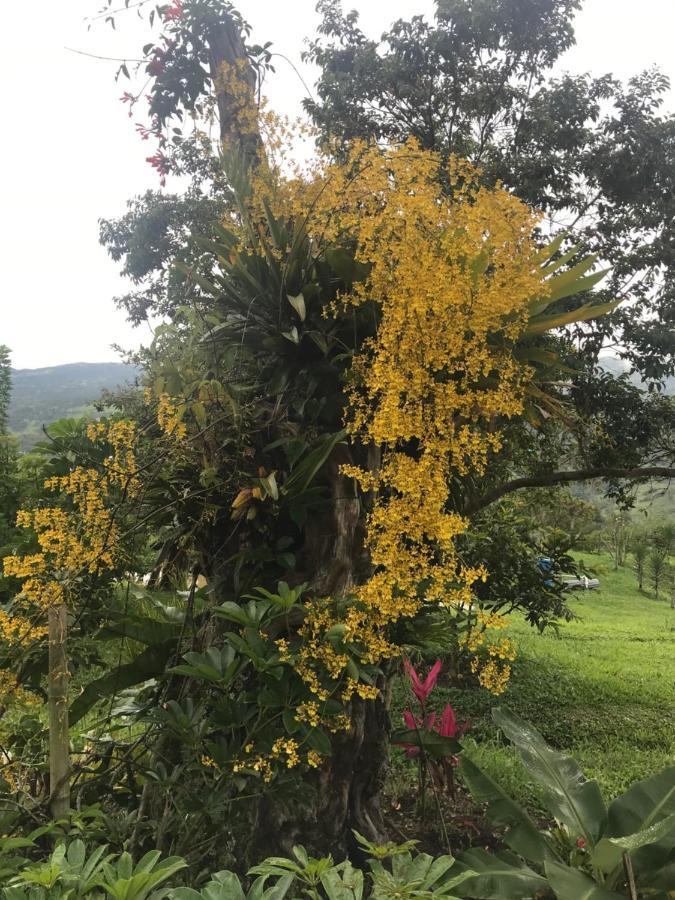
(445, 725)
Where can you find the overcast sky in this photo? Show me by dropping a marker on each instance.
(70, 155)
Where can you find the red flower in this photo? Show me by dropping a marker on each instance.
(422, 689)
(173, 13)
(581, 843)
(156, 64)
(448, 726)
(161, 163)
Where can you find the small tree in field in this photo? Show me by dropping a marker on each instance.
(640, 556)
(658, 568)
(616, 538)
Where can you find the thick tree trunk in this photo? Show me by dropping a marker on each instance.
(227, 50)
(59, 746)
(344, 796)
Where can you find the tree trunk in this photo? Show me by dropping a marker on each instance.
(59, 745)
(341, 798)
(344, 795)
(226, 50)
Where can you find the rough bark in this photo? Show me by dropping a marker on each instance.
(342, 798)
(227, 46)
(59, 747)
(345, 795)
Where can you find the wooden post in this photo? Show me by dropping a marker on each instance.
(59, 744)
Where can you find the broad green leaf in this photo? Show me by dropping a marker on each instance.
(436, 745)
(500, 876)
(662, 879)
(608, 853)
(647, 803)
(305, 471)
(343, 883)
(571, 797)
(542, 324)
(151, 663)
(568, 280)
(571, 884)
(551, 248)
(523, 835)
(276, 892)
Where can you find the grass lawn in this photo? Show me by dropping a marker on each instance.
(602, 689)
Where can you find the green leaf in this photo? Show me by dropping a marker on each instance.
(305, 471)
(543, 323)
(570, 796)
(343, 883)
(151, 663)
(500, 876)
(435, 745)
(523, 836)
(234, 613)
(298, 304)
(571, 884)
(663, 879)
(647, 803)
(566, 283)
(608, 854)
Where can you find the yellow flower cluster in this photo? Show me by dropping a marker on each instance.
(491, 659)
(243, 110)
(80, 540)
(259, 764)
(168, 417)
(308, 712)
(289, 747)
(451, 276)
(11, 691)
(314, 759)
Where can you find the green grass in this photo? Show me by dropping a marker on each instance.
(602, 689)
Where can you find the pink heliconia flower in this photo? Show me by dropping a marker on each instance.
(422, 689)
(448, 727)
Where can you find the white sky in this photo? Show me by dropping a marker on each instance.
(70, 155)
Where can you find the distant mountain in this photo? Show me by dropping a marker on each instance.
(620, 367)
(40, 396)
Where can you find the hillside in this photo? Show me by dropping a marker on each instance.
(40, 396)
(620, 367)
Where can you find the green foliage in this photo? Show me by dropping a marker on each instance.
(657, 568)
(590, 841)
(70, 873)
(509, 538)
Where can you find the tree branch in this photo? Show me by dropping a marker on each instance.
(551, 478)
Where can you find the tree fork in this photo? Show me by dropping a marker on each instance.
(59, 743)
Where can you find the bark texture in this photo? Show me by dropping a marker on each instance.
(345, 795)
